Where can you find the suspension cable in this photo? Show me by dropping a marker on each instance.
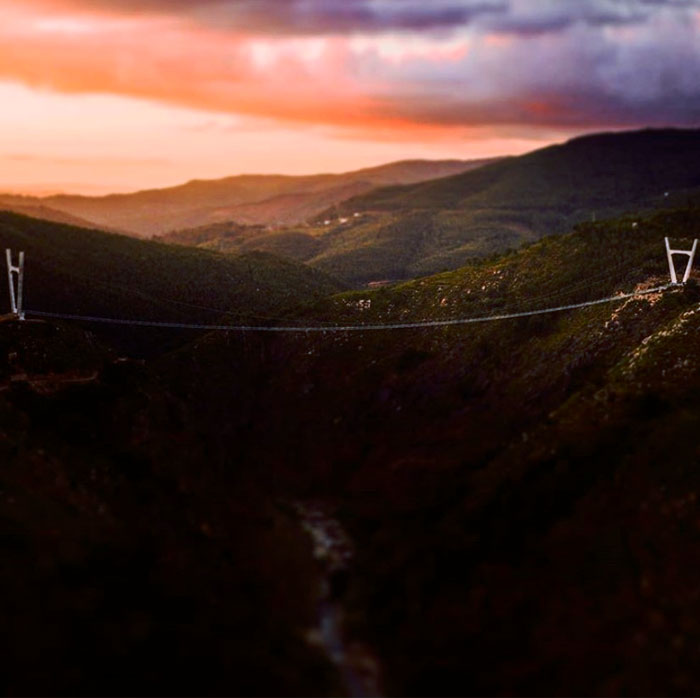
(350, 328)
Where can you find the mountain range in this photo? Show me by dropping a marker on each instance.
(376, 233)
(528, 487)
(251, 199)
(401, 232)
(522, 495)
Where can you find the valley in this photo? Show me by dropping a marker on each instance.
(502, 507)
(350, 348)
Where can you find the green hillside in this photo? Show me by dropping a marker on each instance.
(520, 199)
(593, 173)
(402, 232)
(88, 272)
(522, 494)
(510, 485)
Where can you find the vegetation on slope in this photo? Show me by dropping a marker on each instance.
(508, 484)
(401, 232)
(87, 272)
(520, 199)
(523, 494)
(587, 174)
(136, 558)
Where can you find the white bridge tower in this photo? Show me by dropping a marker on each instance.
(16, 296)
(672, 267)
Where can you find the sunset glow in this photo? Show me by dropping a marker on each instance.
(120, 95)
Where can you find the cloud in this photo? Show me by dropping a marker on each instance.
(351, 16)
(351, 64)
(538, 17)
(313, 17)
(625, 73)
(339, 17)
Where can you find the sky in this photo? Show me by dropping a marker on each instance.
(120, 95)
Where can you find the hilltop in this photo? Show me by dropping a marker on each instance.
(250, 199)
(401, 232)
(27, 206)
(521, 199)
(594, 173)
(89, 272)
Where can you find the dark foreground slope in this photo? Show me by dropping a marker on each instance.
(89, 272)
(136, 558)
(522, 494)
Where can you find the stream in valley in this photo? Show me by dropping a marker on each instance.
(333, 549)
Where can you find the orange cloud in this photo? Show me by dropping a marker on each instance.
(301, 79)
(304, 85)
(496, 40)
(409, 81)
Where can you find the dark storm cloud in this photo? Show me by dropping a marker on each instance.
(634, 73)
(535, 17)
(578, 109)
(304, 17)
(573, 63)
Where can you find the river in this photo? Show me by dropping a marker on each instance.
(333, 549)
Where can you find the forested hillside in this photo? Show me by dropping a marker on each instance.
(522, 494)
(88, 272)
(398, 233)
